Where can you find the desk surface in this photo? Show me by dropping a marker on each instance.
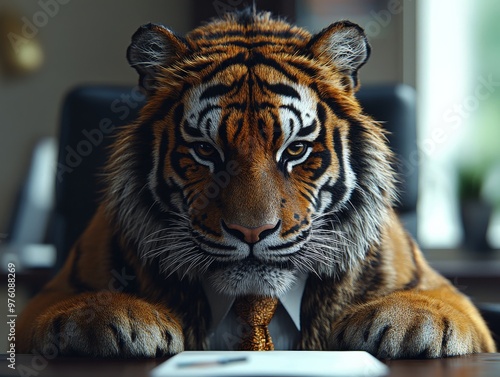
(480, 365)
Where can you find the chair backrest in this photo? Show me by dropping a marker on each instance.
(90, 117)
(91, 114)
(395, 106)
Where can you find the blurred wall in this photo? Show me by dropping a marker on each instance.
(389, 26)
(83, 42)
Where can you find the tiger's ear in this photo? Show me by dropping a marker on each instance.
(153, 47)
(345, 45)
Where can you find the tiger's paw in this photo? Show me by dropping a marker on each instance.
(406, 326)
(107, 325)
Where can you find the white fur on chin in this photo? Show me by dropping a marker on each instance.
(252, 278)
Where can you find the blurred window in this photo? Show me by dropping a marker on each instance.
(458, 82)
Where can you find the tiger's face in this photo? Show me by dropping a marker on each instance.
(253, 156)
(255, 176)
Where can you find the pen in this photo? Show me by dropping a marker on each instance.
(210, 363)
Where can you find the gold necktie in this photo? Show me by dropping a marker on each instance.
(257, 312)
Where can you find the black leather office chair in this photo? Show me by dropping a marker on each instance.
(394, 105)
(90, 118)
(91, 113)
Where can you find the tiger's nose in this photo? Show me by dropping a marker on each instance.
(252, 235)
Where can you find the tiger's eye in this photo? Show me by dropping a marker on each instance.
(296, 149)
(204, 150)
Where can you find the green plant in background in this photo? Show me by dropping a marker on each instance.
(479, 163)
(470, 183)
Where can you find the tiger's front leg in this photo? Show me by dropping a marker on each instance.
(108, 325)
(413, 324)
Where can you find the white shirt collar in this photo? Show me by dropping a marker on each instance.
(221, 304)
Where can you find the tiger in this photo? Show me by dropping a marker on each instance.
(251, 170)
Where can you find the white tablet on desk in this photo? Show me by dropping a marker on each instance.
(271, 364)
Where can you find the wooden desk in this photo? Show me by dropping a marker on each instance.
(480, 365)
